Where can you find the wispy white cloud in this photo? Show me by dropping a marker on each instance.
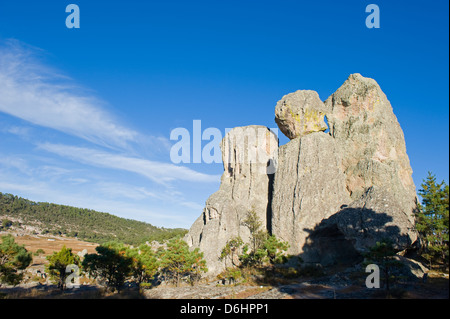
(159, 172)
(20, 131)
(34, 92)
(115, 189)
(118, 190)
(16, 163)
(30, 168)
(77, 180)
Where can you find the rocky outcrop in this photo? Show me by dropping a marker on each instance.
(355, 228)
(308, 187)
(371, 141)
(300, 113)
(348, 190)
(249, 155)
(377, 214)
(333, 195)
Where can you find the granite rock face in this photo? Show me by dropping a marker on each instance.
(377, 214)
(308, 187)
(249, 155)
(371, 141)
(349, 233)
(300, 113)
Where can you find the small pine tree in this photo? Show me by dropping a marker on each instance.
(6, 223)
(254, 225)
(432, 219)
(144, 263)
(177, 262)
(231, 250)
(58, 263)
(13, 258)
(110, 263)
(257, 237)
(276, 249)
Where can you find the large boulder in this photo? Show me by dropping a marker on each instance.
(371, 141)
(300, 113)
(249, 155)
(308, 187)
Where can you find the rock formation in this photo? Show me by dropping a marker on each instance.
(300, 113)
(249, 155)
(371, 141)
(308, 187)
(333, 195)
(372, 169)
(347, 234)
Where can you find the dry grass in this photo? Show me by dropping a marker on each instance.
(33, 243)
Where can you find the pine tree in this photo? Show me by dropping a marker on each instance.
(58, 263)
(231, 250)
(13, 257)
(383, 255)
(257, 239)
(276, 249)
(432, 219)
(110, 263)
(178, 262)
(145, 263)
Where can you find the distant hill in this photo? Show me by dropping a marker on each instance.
(86, 224)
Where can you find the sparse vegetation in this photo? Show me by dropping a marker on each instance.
(256, 258)
(6, 223)
(85, 224)
(39, 252)
(382, 254)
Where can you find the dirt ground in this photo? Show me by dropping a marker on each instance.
(433, 289)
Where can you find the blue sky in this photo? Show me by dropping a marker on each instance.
(86, 114)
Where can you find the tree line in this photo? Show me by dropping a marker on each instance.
(85, 224)
(113, 264)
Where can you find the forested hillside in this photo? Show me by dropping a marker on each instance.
(85, 224)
